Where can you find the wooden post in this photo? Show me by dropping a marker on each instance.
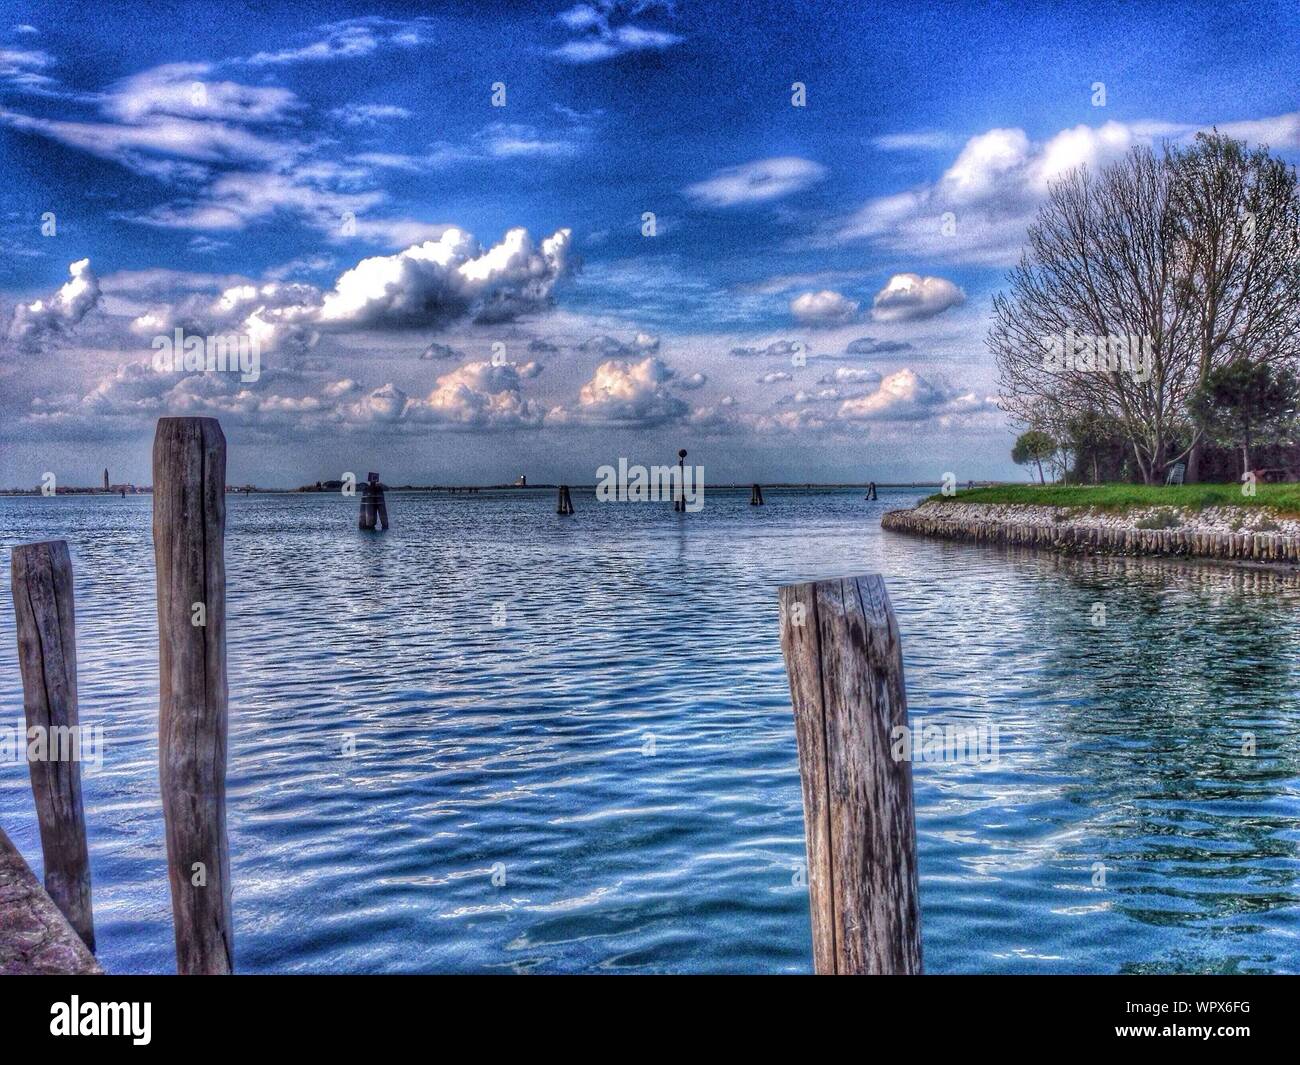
(189, 525)
(756, 496)
(564, 505)
(47, 660)
(845, 666)
(373, 508)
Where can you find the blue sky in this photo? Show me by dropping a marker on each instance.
(449, 290)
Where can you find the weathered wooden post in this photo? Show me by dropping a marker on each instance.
(47, 660)
(845, 666)
(756, 496)
(679, 504)
(564, 505)
(189, 526)
(871, 492)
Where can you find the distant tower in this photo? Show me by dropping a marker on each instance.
(105, 478)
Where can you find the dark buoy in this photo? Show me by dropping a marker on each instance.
(565, 503)
(756, 496)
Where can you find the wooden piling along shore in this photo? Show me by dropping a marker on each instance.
(47, 659)
(1272, 548)
(845, 665)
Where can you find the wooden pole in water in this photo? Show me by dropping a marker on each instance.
(564, 505)
(47, 660)
(756, 496)
(844, 661)
(189, 525)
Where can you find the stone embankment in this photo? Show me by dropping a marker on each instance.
(1241, 534)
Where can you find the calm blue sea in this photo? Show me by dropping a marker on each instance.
(574, 749)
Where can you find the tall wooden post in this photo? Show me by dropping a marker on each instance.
(564, 503)
(47, 660)
(845, 665)
(189, 526)
(756, 496)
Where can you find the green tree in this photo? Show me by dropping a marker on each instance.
(1034, 446)
(1244, 403)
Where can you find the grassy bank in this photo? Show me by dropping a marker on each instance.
(1283, 498)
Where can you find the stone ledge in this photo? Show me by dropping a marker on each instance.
(35, 938)
(1270, 548)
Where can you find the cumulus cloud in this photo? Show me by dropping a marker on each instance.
(906, 396)
(873, 346)
(481, 395)
(43, 319)
(979, 208)
(757, 182)
(440, 351)
(844, 375)
(782, 348)
(774, 377)
(622, 392)
(475, 396)
(824, 308)
(453, 277)
(641, 344)
(911, 296)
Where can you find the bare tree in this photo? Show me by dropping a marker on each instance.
(1237, 213)
(1101, 261)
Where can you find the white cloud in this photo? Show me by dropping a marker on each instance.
(453, 277)
(911, 296)
(351, 39)
(774, 377)
(369, 114)
(610, 347)
(604, 30)
(824, 308)
(185, 90)
(43, 319)
(845, 375)
(757, 182)
(906, 396)
(980, 207)
(622, 392)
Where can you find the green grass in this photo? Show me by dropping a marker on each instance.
(1284, 498)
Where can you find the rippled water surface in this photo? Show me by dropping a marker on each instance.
(620, 750)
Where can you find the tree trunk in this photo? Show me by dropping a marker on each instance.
(1039, 464)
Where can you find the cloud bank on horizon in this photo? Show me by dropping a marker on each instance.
(570, 230)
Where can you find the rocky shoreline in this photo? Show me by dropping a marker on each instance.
(1242, 534)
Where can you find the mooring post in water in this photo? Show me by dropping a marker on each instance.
(564, 505)
(756, 496)
(373, 507)
(844, 661)
(871, 491)
(189, 527)
(679, 504)
(47, 660)
(380, 513)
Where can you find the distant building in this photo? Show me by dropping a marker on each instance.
(106, 486)
(521, 481)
